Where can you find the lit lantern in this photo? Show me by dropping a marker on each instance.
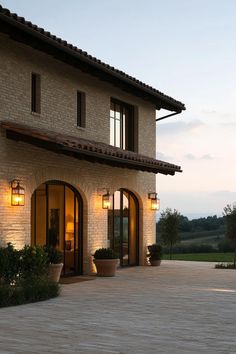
(17, 194)
(106, 201)
(155, 202)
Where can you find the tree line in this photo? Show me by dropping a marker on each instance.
(172, 223)
(201, 224)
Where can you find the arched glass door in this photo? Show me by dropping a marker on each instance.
(123, 227)
(57, 221)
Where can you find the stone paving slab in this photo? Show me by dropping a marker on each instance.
(180, 307)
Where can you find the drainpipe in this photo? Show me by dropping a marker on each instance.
(168, 115)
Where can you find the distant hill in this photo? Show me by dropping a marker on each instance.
(201, 235)
(212, 237)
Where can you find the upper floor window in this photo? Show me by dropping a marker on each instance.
(80, 109)
(123, 126)
(35, 93)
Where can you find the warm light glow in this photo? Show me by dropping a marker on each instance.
(17, 194)
(106, 201)
(155, 202)
(70, 227)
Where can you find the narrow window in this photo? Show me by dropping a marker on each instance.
(80, 109)
(35, 93)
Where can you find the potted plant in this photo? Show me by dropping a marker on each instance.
(155, 254)
(105, 260)
(55, 264)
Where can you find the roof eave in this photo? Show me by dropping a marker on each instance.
(45, 139)
(157, 98)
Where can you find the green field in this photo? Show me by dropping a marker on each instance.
(209, 240)
(212, 237)
(204, 257)
(202, 234)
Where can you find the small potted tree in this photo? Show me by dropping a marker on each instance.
(155, 254)
(55, 264)
(105, 260)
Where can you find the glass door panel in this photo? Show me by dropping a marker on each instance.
(38, 220)
(117, 238)
(117, 224)
(56, 222)
(125, 229)
(133, 246)
(69, 231)
(78, 245)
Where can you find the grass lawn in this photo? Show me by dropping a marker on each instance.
(204, 257)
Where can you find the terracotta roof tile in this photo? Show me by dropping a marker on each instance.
(176, 105)
(86, 149)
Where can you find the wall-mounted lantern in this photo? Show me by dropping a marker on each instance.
(155, 202)
(106, 201)
(17, 193)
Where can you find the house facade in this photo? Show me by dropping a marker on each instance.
(77, 149)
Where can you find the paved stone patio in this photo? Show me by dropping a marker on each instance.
(180, 307)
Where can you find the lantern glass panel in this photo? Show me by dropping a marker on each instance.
(17, 195)
(106, 201)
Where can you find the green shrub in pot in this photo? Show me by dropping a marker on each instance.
(55, 262)
(105, 260)
(155, 254)
(105, 253)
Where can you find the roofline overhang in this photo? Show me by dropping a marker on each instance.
(46, 140)
(94, 66)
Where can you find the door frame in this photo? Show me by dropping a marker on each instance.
(130, 194)
(78, 214)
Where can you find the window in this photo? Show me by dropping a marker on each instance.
(123, 126)
(80, 109)
(35, 93)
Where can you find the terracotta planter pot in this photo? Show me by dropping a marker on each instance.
(106, 267)
(54, 271)
(155, 262)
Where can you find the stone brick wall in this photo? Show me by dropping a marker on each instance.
(59, 84)
(34, 166)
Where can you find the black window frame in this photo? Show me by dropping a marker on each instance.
(129, 140)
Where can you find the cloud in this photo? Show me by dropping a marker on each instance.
(224, 193)
(228, 124)
(206, 157)
(180, 127)
(197, 203)
(208, 111)
(164, 157)
(192, 157)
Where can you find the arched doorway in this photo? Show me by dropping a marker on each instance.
(57, 221)
(123, 227)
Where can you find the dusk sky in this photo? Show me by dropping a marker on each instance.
(187, 50)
